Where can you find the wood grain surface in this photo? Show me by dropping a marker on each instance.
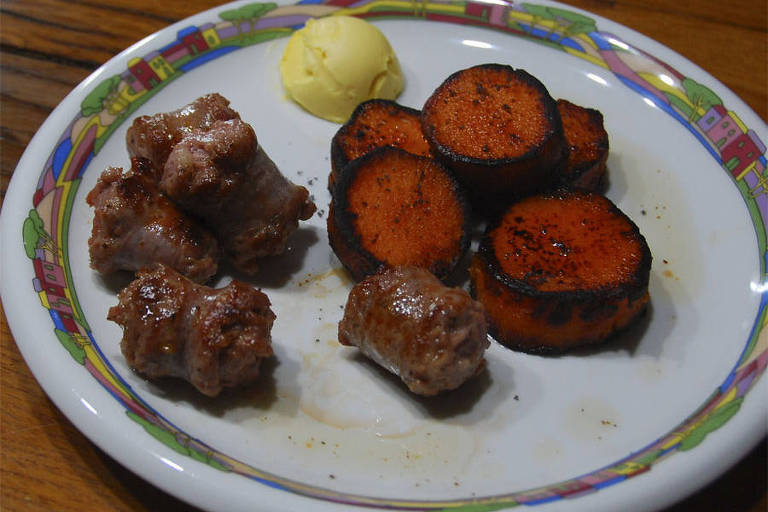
(48, 46)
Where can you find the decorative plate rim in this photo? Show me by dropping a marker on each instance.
(240, 24)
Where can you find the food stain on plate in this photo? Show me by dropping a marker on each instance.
(339, 416)
(322, 284)
(650, 370)
(591, 419)
(547, 449)
(660, 204)
(338, 392)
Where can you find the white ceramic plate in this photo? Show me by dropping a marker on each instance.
(637, 424)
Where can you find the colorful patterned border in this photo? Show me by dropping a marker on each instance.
(722, 133)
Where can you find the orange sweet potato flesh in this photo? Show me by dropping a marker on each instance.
(395, 208)
(588, 143)
(376, 123)
(499, 130)
(561, 270)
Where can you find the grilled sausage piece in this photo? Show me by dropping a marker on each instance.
(135, 225)
(432, 336)
(561, 270)
(153, 137)
(499, 130)
(376, 123)
(172, 327)
(223, 177)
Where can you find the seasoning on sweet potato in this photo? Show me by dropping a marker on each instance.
(376, 123)
(499, 130)
(395, 208)
(588, 142)
(561, 270)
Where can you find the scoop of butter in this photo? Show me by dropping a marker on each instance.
(334, 63)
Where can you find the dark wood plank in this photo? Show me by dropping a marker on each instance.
(169, 11)
(735, 52)
(81, 33)
(742, 13)
(53, 462)
(49, 46)
(30, 88)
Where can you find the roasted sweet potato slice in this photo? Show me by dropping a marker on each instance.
(588, 143)
(395, 208)
(499, 130)
(561, 270)
(376, 123)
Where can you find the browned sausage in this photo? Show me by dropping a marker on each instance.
(432, 336)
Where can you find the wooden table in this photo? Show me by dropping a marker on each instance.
(49, 46)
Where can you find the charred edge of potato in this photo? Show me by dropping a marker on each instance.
(499, 180)
(535, 346)
(584, 174)
(346, 242)
(339, 147)
(347, 247)
(556, 308)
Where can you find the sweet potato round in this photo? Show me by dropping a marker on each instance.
(499, 130)
(376, 123)
(395, 208)
(561, 270)
(588, 144)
